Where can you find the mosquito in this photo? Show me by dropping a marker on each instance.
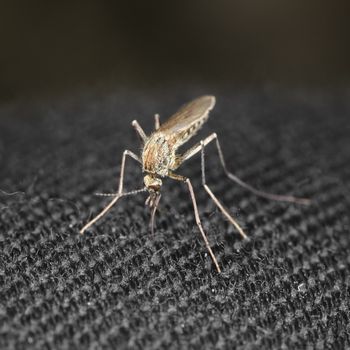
(159, 159)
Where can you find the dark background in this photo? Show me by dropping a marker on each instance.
(62, 46)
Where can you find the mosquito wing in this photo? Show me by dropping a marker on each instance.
(188, 119)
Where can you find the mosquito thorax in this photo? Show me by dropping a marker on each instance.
(152, 183)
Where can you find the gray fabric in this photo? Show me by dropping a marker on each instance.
(119, 287)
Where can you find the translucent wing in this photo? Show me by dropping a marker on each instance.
(189, 118)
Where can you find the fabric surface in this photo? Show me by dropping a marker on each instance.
(119, 287)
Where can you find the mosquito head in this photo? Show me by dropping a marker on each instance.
(153, 184)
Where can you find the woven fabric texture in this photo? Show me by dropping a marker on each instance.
(118, 286)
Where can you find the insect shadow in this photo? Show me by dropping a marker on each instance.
(159, 159)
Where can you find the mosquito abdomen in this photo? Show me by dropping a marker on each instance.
(192, 130)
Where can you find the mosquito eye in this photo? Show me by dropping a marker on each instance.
(155, 188)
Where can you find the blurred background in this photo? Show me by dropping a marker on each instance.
(57, 47)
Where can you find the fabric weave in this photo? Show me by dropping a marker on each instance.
(119, 287)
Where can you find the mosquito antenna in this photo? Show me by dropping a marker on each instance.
(153, 214)
(106, 194)
(110, 205)
(120, 195)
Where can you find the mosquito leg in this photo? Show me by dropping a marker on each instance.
(276, 197)
(119, 194)
(99, 216)
(122, 168)
(197, 148)
(214, 198)
(156, 122)
(199, 224)
(196, 214)
(193, 150)
(139, 130)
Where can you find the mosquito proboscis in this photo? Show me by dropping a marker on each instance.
(159, 159)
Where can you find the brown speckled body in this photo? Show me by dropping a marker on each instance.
(159, 152)
(159, 159)
(158, 155)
